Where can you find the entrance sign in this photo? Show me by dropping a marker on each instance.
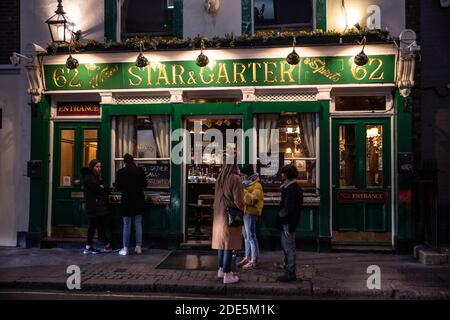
(362, 195)
(222, 73)
(68, 109)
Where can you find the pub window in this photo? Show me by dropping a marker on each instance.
(283, 14)
(297, 145)
(147, 139)
(360, 103)
(147, 17)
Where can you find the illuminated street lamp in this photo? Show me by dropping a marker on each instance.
(60, 27)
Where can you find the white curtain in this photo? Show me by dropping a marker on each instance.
(125, 136)
(308, 126)
(268, 121)
(161, 132)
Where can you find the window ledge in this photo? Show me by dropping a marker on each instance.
(9, 69)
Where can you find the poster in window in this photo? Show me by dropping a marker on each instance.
(158, 174)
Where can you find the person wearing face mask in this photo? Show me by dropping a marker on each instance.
(95, 195)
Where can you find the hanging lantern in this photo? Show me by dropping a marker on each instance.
(361, 58)
(71, 62)
(141, 61)
(60, 27)
(202, 60)
(293, 58)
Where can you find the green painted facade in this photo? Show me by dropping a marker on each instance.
(166, 221)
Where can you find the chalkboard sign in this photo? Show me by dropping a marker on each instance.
(273, 180)
(158, 175)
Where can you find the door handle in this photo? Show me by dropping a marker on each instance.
(76, 182)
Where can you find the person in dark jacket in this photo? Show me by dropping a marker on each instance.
(95, 195)
(131, 181)
(288, 219)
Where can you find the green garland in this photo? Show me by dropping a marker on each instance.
(260, 38)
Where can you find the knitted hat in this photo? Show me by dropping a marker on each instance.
(247, 169)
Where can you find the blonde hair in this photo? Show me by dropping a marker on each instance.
(224, 180)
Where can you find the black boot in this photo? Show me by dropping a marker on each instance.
(287, 277)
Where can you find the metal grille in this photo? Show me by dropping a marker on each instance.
(303, 96)
(141, 99)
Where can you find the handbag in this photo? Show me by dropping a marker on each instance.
(235, 216)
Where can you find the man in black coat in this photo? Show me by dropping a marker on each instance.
(288, 219)
(131, 181)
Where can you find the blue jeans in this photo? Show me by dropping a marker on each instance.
(249, 232)
(127, 230)
(288, 245)
(225, 257)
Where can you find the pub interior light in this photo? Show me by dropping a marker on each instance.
(361, 58)
(141, 61)
(202, 60)
(293, 58)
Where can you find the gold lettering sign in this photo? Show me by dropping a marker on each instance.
(68, 109)
(319, 66)
(379, 196)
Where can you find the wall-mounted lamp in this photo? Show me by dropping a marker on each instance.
(202, 60)
(61, 27)
(293, 58)
(141, 61)
(33, 67)
(361, 58)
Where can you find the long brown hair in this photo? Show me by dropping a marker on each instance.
(92, 165)
(224, 180)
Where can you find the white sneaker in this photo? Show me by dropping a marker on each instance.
(230, 278)
(220, 273)
(138, 250)
(123, 252)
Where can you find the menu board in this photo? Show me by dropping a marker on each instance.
(273, 180)
(158, 174)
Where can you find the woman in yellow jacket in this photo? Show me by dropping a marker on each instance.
(253, 205)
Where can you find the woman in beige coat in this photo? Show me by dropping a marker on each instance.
(228, 192)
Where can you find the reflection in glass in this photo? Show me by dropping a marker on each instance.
(90, 144)
(347, 155)
(374, 152)
(67, 157)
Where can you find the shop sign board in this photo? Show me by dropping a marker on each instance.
(221, 73)
(348, 196)
(72, 109)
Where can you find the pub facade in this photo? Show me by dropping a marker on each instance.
(345, 126)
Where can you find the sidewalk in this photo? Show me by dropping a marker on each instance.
(324, 275)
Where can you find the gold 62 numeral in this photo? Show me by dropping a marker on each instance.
(360, 72)
(60, 79)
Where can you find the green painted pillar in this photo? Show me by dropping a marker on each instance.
(40, 150)
(178, 18)
(324, 215)
(110, 26)
(321, 14)
(247, 17)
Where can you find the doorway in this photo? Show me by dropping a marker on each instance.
(361, 181)
(75, 145)
(202, 171)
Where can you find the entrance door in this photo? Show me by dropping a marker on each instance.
(203, 169)
(361, 187)
(75, 146)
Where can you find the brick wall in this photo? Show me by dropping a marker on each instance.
(9, 29)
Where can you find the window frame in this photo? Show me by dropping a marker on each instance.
(114, 159)
(317, 147)
(289, 26)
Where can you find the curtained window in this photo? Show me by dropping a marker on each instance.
(297, 144)
(147, 139)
